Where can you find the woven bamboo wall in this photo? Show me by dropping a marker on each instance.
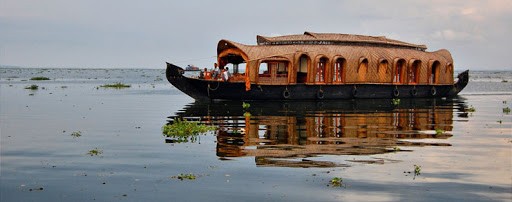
(354, 55)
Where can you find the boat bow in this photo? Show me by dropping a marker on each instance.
(173, 72)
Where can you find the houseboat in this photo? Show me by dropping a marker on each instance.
(318, 66)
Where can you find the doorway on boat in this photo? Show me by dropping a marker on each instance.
(235, 65)
(302, 70)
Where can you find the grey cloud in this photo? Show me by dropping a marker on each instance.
(94, 33)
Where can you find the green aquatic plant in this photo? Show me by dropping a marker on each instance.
(95, 152)
(76, 134)
(182, 176)
(39, 78)
(439, 131)
(336, 182)
(395, 101)
(246, 105)
(506, 110)
(185, 131)
(117, 85)
(32, 87)
(417, 170)
(471, 109)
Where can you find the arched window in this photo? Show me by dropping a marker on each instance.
(413, 73)
(339, 67)
(449, 68)
(383, 70)
(434, 72)
(320, 70)
(362, 69)
(399, 71)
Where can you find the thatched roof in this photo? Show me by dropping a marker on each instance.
(255, 52)
(336, 39)
(354, 49)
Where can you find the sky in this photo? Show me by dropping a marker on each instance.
(146, 34)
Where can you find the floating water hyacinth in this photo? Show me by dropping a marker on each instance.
(117, 85)
(184, 131)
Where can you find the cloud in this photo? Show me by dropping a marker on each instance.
(133, 33)
(452, 35)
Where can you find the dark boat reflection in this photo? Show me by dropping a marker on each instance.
(287, 133)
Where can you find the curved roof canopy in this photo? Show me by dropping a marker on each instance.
(335, 39)
(347, 45)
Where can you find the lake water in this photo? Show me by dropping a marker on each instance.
(415, 150)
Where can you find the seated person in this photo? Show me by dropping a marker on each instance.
(207, 74)
(202, 74)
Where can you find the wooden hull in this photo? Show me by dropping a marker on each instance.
(200, 89)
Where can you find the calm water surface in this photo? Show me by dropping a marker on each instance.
(270, 151)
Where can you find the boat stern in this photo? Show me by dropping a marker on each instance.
(462, 82)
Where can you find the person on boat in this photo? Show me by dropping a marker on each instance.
(215, 72)
(229, 73)
(207, 74)
(202, 74)
(225, 74)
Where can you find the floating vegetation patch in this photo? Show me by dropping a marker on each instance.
(116, 85)
(395, 101)
(439, 131)
(336, 182)
(95, 152)
(32, 87)
(246, 105)
(417, 170)
(185, 131)
(39, 78)
(182, 176)
(506, 110)
(76, 134)
(471, 109)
